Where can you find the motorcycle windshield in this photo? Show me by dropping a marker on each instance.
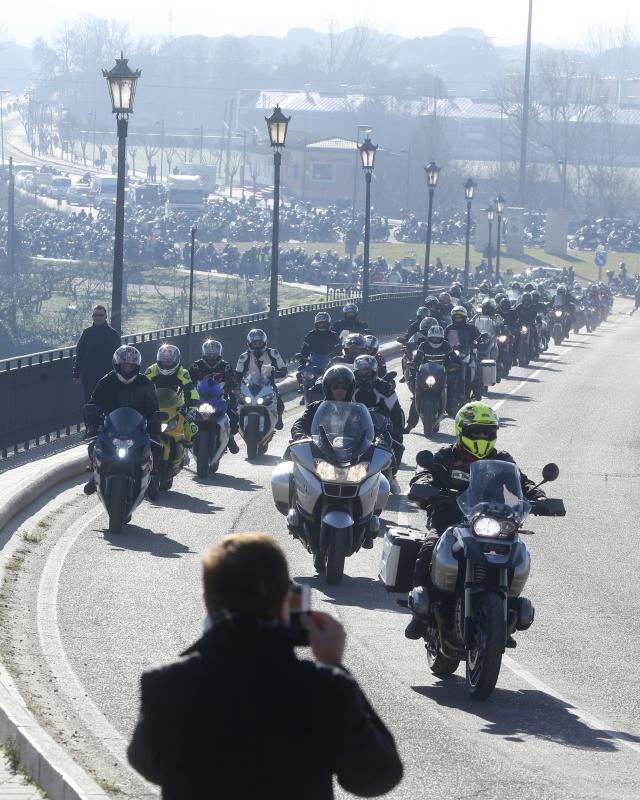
(318, 360)
(485, 325)
(558, 301)
(494, 489)
(256, 382)
(169, 401)
(342, 431)
(124, 421)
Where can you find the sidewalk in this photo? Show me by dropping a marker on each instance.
(15, 787)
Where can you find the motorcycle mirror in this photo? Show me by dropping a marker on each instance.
(550, 472)
(424, 459)
(162, 416)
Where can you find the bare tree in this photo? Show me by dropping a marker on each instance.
(169, 155)
(235, 161)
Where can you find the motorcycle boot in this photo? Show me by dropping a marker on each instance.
(233, 445)
(89, 487)
(153, 492)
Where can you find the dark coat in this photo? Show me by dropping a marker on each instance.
(94, 354)
(111, 393)
(240, 716)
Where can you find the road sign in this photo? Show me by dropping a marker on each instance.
(601, 258)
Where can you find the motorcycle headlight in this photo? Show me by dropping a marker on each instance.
(524, 329)
(558, 313)
(163, 427)
(329, 472)
(260, 401)
(502, 339)
(491, 527)
(122, 452)
(205, 410)
(246, 398)
(430, 381)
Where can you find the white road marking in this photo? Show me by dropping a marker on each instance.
(53, 649)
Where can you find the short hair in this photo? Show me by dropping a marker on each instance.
(246, 573)
(100, 308)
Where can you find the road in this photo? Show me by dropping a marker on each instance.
(89, 612)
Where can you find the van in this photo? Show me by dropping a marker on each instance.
(208, 174)
(104, 188)
(185, 193)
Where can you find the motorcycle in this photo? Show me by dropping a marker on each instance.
(258, 412)
(580, 318)
(313, 369)
(456, 391)
(122, 463)
(214, 428)
(332, 488)
(176, 437)
(431, 395)
(479, 570)
(469, 358)
(504, 360)
(542, 327)
(524, 346)
(487, 351)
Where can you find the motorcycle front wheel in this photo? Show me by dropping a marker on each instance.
(429, 416)
(251, 436)
(485, 659)
(335, 556)
(202, 453)
(116, 509)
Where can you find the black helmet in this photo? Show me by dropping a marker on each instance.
(322, 321)
(526, 299)
(535, 296)
(126, 363)
(365, 370)
(422, 312)
(488, 307)
(338, 374)
(516, 286)
(562, 289)
(456, 291)
(350, 311)
(485, 286)
(427, 323)
(505, 304)
(431, 301)
(529, 287)
(354, 340)
(372, 344)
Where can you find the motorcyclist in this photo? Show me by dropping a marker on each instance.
(476, 428)
(421, 313)
(168, 373)
(257, 356)
(508, 313)
(321, 340)
(564, 299)
(461, 333)
(446, 305)
(526, 313)
(372, 348)
(212, 363)
(353, 346)
(124, 386)
(350, 321)
(412, 345)
(433, 306)
(434, 348)
(377, 395)
(339, 385)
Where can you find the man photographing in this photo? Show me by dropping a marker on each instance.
(241, 716)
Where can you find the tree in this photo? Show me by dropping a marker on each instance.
(235, 161)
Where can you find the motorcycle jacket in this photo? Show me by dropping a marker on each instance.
(140, 394)
(351, 325)
(382, 365)
(323, 343)
(526, 315)
(251, 364)
(381, 396)
(426, 352)
(180, 381)
(221, 371)
(466, 335)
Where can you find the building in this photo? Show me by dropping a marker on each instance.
(321, 172)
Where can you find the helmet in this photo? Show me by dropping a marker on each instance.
(477, 429)
(257, 341)
(322, 321)
(365, 369)
(435, 337)
(516, 286)
(485, 286)
(350, 311)
(535, 296)
(505, 304)
(168, 359)
(444, 298)
(354, 341)
(459, 313)
(499, 296)
(371, 344)
(427, 323)
(431, 301)
(526, 300)
(211, 351)
(422, 312)
(456, 291)
(562, 289)
(488, 307)
(126, 363)
(338, 374)
(529, 287)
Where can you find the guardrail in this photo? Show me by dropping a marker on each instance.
(39, 402)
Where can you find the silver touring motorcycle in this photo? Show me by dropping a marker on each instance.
(331, 487)
(479, 570)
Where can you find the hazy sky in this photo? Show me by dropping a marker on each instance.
(555, 21)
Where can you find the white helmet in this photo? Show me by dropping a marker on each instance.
(168, 359)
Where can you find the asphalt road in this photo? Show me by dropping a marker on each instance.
(91, 611)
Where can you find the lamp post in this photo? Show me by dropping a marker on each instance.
(277, 125)
(563, 170)
(469, 190)
(368, 157)
(432, 172)
(491, 215)
(192, 259)
(2, 92)
(352, 244)
(122, 81)
(500, 207)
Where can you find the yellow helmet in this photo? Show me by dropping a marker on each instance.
(477, 429)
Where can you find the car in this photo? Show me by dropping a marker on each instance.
(79, 194)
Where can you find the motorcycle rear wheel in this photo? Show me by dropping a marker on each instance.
(116, 510)
(335, 556)
(484, 661)
(440, 665)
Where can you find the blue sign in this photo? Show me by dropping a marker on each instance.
(601, 258)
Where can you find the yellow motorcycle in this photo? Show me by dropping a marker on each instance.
(177, 435)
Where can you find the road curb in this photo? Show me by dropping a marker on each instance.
(45, 761)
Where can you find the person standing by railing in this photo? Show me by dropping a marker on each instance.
(94, 352)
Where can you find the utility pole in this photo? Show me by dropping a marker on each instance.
(522, 183)
(11, 242)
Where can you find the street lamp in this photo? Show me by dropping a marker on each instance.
(432, 172)
(368, 157)
(121, 80)
(491, 215)
(277, 125)
(2, 91)
(352, 239)
(469, 190)
(501, 204)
